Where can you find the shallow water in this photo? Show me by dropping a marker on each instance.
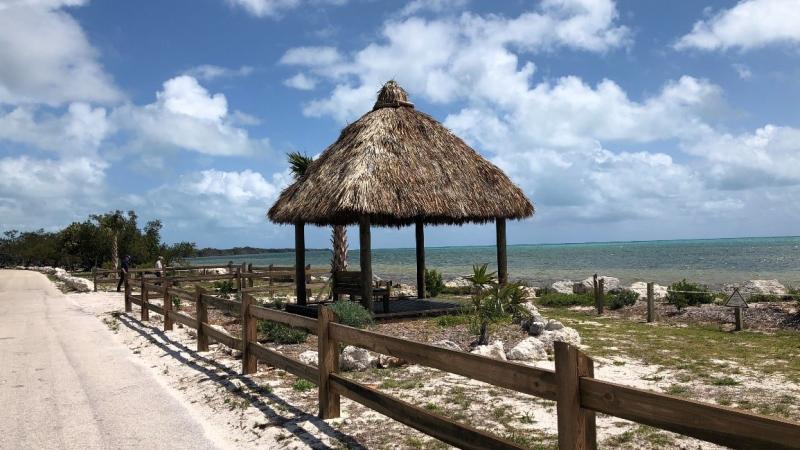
(710, 261)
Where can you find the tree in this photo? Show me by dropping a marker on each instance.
(492, 302)
(298, 165)
(113, 223)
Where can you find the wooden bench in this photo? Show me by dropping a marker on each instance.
(348, 282)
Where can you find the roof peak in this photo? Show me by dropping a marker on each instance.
(392, 95)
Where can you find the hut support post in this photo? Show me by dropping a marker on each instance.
(300, 262)
(365, 241)
(420, 259)
(502, 260)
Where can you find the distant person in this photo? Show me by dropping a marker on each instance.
(160, 267)
(123, 270)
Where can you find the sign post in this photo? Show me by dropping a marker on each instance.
(737, 302)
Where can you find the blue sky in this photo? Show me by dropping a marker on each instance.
(626, 120)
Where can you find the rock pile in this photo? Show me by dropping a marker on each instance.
(640, 287)
(758, 287)
(76, 283)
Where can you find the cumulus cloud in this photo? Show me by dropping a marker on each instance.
(186, 116)
(749, 24)
(274, 8)
(46, 57)
(434, 6)
(301, 81)
(210, 72)
(80, 130)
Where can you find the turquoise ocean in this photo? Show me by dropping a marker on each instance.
(710, 261)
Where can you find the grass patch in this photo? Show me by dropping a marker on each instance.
(724, 381)
(451, 321)
(410, 383)
(302, 385)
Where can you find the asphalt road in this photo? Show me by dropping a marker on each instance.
(66, 383)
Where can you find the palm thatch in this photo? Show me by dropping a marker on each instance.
(399, 165)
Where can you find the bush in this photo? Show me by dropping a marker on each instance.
(302, 385)
(698, 294)
(351, 314)
(561, 300)
(433, 282)
(622, 298)
(282, 334)
(176, 302)
(224, 288)
(451, 321)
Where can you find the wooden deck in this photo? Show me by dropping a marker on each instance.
(397, 308)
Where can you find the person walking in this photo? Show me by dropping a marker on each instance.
(123, 270)
(160, 267)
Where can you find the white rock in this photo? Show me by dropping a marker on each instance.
(753, 287)
(640, 287)
(532, 311)
(562, 287)
(609, 284)
(356, 358)
(390, 361)
(459, 282)
(530, 349)
(407, 290)
(494, 350)
(450, 345)
(309, 357)
(566, 334)
(530, 292)
(553, 325)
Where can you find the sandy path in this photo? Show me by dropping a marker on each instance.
(65, 382)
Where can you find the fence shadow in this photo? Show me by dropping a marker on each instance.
(276, 419)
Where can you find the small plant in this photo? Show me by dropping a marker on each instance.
(351, 314)
(554, 299)
(451, 321)
(622, 298)
(176, 302)
(302, 385)
(724, 381)
(224, 288)
(492, 302)
(684, 293)
(282, 334)
(433, 282)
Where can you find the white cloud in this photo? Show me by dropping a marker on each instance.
(225, 199)
(210, 72)
(46, 57)
(274, 8)
(472, 56)
(743, 71)
(53, 191)
(301, 81)
(186, 116)
(748, 25)
(80, 130)
(434, 6)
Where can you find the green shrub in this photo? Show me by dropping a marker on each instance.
(176, 302)
(555, 299)
(351, 314)
(755, 298)
(224, 288)
(698, 294)
(463, 290)
(451, 321)
(622, 298)
(433, 282)
(282, 334)
(302, 385)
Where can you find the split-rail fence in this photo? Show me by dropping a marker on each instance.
(578, 395)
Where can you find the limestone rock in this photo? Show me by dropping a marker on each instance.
(610, 283)
(494, 350)
(553, 325)
(309, 357)
(758, 287)
(459, 282)
(566, 334)
(356, 359)
(530, 349)
(563, 287)
(450, 345)
(640, 287)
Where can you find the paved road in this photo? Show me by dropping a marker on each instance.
(66, 383)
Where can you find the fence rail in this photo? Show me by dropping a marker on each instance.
(578, 395)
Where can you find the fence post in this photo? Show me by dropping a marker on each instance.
(651, 307)
(598, 294)
(271, 291)
(328, 356)
(128, 306)
(202, 317)
(249, 362)
(739, 318)
(250, 281)
(145, 309)
(94, 277)
(167, 306)
(576, 426)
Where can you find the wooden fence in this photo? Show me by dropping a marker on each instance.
(578, 395)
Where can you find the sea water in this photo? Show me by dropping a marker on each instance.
(710, 261)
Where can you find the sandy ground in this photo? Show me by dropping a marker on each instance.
(265, 410)
(65, 382)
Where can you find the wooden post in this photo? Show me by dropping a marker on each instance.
(739, 318)
(145, 309)
(249, 361)
(328, 356)
(365, 250)
(502, 258)
(300, 263)
(576, 426)
(94, 277)
(250, 281)
(420, 231)
(651, 303)
(128, 303)
(599, 302)
(167, 305)
(202, 317)
(271, 291)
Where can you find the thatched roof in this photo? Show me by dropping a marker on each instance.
(397, 165)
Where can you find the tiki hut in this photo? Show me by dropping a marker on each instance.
(397, 166)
